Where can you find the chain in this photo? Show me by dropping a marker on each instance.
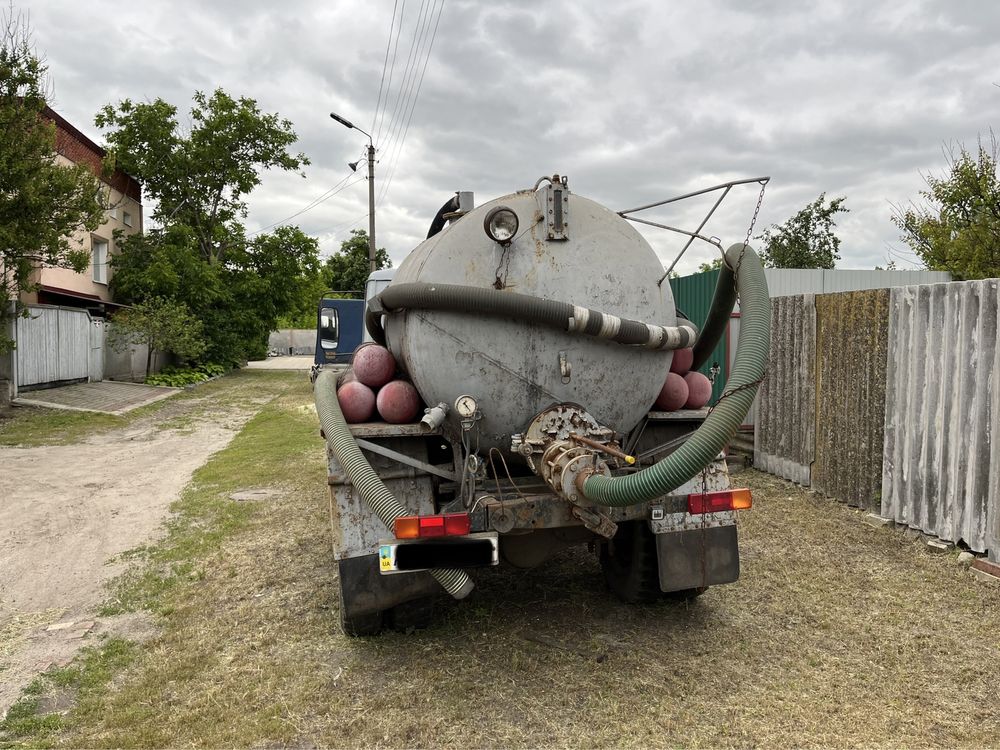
(746, 241)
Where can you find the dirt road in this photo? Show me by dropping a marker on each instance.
(68, 510)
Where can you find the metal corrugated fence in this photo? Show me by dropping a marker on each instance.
(851, 341)
(693, 296)
(942, 415)
(786, 417)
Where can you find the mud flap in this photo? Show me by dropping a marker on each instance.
(363, 591)
(697, 557)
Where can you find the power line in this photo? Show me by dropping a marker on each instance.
(388, 43)
(317, 201)
(413, 106)
(392, 69)
(406, 85)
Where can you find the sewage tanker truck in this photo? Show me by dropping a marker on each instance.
(539, 332)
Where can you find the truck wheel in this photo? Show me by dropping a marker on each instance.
(629, 564)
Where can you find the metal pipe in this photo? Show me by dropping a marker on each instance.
(691, 239)
(434, 417)
(731, 183)
(710, 240)
(602, 448)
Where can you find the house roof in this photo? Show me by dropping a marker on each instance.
(80, 149)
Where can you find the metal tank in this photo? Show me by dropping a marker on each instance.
(565, 248)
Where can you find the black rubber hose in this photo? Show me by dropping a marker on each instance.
(718, 317)
(439, 221)
(373, 324)
(559, 315)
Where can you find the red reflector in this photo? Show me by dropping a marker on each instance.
(432, 526)
(457, 524)
(714, 502)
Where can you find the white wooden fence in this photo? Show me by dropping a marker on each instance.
(64, 344)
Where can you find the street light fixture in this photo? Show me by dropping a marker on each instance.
(371, 187)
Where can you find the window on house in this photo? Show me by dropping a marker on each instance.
(113, 212)
(99, 259)
(126, 218)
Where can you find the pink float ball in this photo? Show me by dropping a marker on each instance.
(357, 402)
(682, 360)
(673, 394)
(398, 402)
(373, 365)
(699, 390)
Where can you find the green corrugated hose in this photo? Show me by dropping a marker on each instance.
(719, 427)
(364, 478)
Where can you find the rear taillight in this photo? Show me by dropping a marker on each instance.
(419, 527)
(715, 502)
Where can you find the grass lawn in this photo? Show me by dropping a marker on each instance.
(837, 634)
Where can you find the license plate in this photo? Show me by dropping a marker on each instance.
(409, 555)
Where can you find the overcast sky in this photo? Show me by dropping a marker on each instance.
(634, 101)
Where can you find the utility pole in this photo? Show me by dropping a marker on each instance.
(371, 206)
(371, 188)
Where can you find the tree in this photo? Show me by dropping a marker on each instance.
(958, 230)
(42, 203)
(161, 324)
(806, 240)
(347, 269)
(200, 178)
(200, 255)
(717, 263)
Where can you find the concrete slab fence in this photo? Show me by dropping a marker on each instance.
(889, 400)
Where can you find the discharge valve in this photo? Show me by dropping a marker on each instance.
(565, 445)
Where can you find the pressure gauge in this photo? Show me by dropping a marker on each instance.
(466, 406)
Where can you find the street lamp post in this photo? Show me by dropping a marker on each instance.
(371, 188)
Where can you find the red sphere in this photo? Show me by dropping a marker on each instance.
(373, 365)
(699, 390)
(674, 393)
(682, 360)
(398, 402)
(357, 402)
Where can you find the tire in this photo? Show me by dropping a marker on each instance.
(629, 564)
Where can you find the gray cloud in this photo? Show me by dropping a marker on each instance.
(635, 101)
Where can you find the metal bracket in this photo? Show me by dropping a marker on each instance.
(595, 521)
(404, 459)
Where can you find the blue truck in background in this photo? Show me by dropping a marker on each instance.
(340, 323)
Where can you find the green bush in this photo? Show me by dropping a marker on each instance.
(179, 377)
